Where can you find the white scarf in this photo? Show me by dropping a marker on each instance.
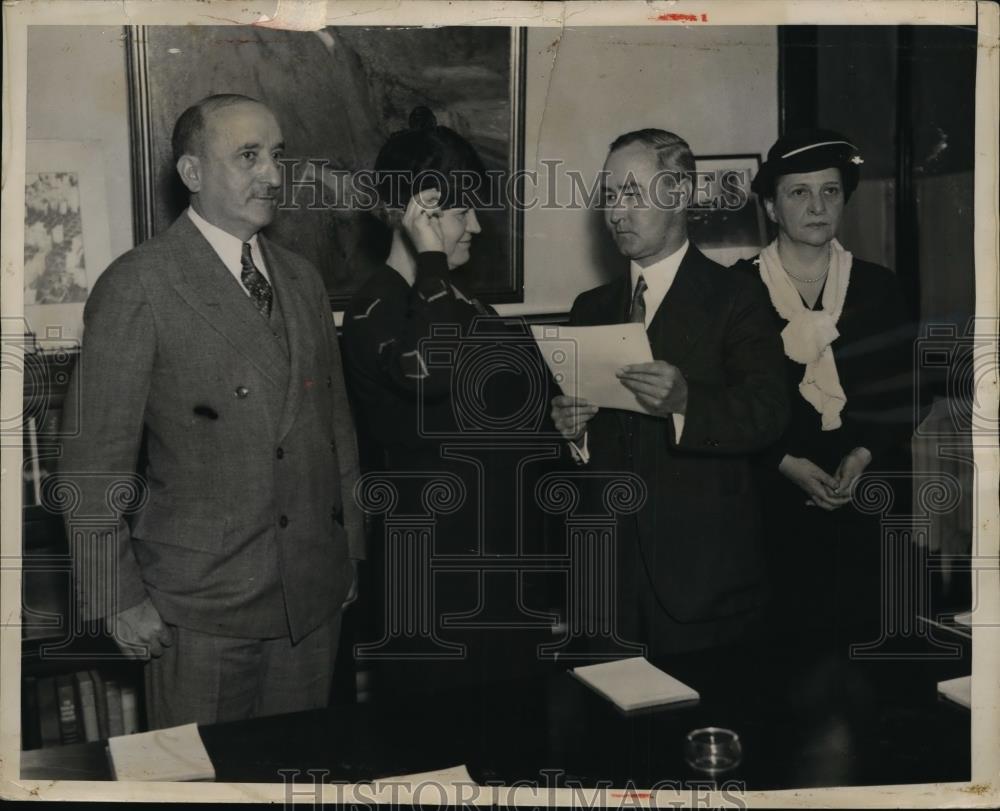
(809, 333)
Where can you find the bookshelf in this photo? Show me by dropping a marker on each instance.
(75, 686)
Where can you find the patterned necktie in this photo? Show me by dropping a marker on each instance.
(255, 283)
(637, 312)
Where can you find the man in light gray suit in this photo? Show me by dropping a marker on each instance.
(217, 349)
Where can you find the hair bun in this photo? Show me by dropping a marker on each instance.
(421, 118)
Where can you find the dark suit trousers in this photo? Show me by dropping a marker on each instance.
(641, 618)
(210, 679)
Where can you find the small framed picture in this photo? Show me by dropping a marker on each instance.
(67, 243)
(725, 219)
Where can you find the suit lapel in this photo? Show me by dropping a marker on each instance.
(685, 311)
(296, 311)
(617, 298)
(205, 283)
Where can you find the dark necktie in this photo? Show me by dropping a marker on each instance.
(637, 312)
(255, 283)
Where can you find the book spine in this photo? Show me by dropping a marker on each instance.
(31, 730)
(48, 711)
(69, 717)
(130, 710)
(111, 763)
(101, 700)
(114, 694)
(88, 706)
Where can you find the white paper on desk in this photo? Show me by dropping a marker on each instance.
(633, 684)
(583, 360)
(172, 754)
(958, 690)
(453, 776)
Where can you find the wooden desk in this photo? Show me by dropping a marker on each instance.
(808, 716)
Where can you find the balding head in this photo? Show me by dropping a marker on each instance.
(189, 131)
(228, 151)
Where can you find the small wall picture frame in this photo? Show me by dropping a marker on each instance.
(725, 219)
(67, 241)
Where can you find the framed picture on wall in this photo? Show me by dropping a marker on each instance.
(338, 93)
(66, 238)
(725, 219)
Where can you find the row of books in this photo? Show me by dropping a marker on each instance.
(76, 708)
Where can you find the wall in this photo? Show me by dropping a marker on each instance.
(866, 74)
(76, 92)
(714, 86)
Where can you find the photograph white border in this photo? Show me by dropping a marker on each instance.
(984, 788)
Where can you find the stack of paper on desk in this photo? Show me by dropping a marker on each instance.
(634, 684)
(456, 775)
(170, 754)
(958, 690)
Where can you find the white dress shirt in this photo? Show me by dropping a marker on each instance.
(659, 277)
(229, 248)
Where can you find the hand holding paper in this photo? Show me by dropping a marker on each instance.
(658, 386)
(585, 361)
(571, 415)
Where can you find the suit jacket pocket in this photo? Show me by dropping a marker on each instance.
(191, 523)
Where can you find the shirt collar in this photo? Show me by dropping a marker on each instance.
(228, 247)
(660, 275)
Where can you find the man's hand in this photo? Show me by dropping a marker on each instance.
(139, 631)
(422, 223)
(817, 483)
(849, 469)
(352, 592)
(659, 387)
(571, 415)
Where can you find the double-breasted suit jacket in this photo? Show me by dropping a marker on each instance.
(248, 523)
(697, 536)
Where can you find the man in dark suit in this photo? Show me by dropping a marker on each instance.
(218, 350)
(691, 572)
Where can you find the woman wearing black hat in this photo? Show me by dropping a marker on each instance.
(440, 409)
(849, 353)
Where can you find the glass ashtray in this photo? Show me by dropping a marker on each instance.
(713, 750)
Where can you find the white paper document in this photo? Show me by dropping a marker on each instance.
(633, 684)
(172, 754)
(583, 360)
(958, 690)
(453, 776)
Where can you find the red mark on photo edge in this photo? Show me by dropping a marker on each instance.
(674, 17)
(632, 795)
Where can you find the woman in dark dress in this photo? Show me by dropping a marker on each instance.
(439, 382)
(849, 351)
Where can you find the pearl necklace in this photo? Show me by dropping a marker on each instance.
(810, 281)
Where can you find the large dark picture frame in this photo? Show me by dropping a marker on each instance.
(338, 94)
